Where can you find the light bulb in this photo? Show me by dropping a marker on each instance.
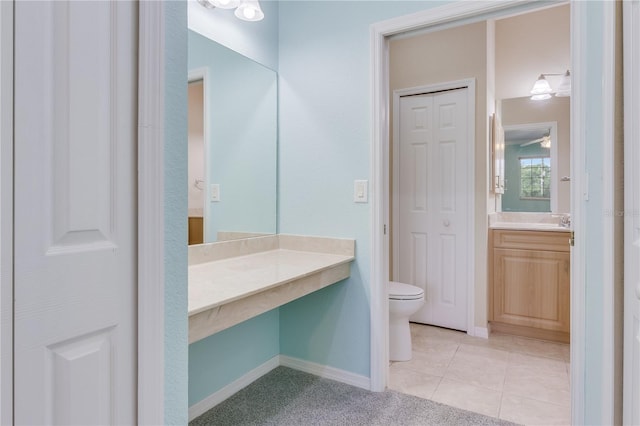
(249, 10)
(226, 4)
(541, 86)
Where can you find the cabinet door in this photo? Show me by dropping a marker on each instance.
(531, 288)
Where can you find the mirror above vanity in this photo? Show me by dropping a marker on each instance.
(536, 154)
(232, 174)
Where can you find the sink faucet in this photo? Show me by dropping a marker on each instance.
(565, 221)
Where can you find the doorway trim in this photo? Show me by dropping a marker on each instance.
(470, 84)
(631, 45)
(151, 227)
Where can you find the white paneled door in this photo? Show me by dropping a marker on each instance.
(433, 204)
(75, 212)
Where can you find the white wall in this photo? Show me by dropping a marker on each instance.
(529, 45)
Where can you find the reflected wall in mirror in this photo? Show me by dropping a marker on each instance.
(536, 154)
(196, 158)
(238, 159)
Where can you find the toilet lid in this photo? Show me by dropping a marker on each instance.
(401, 291)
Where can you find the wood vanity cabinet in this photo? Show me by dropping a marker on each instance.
(529, 283)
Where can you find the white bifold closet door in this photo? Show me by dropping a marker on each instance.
(75, 212)
(433, 204)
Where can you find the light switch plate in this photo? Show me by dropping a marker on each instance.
(361, 191)
(214, 191)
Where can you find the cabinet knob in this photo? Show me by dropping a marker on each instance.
(445, 222)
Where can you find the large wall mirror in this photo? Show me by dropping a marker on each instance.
(232, 174)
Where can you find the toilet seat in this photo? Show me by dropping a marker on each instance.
(401, 291)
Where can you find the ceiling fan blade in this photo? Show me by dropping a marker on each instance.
(532, 142)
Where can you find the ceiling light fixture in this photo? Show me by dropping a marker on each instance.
(542, 89)
(225, 4)
(247, 10)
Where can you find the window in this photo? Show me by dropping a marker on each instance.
(535, 178)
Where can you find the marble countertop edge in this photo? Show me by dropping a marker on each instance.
(335, 261)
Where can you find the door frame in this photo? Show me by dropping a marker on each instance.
(432, 18)
(631, 46)
(151, 226)
(470, 85)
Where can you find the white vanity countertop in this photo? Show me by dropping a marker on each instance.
(529, 226)
(219, 282)
(527, 221)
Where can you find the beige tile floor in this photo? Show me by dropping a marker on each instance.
(522, 380)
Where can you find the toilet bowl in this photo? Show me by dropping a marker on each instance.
(404, 301)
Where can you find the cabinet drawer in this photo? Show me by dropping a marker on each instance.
(530, 240)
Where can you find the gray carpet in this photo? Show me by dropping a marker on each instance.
(289, 397)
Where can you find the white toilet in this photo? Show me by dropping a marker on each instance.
(404, 301)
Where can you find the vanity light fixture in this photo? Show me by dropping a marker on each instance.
(564, 89)
(542, 89)
(247, 10)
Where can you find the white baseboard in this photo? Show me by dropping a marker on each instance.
(216, 398)
(326, 372)
(482, 332)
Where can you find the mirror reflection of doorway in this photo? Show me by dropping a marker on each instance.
(196, 180)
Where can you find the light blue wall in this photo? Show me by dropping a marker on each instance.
(175, 212)
(218, 360)
(324, 146)
(242, 118)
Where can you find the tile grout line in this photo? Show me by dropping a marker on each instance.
(512, 349)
